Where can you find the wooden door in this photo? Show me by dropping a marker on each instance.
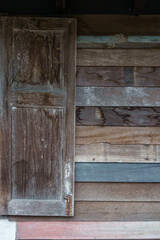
(37, 116)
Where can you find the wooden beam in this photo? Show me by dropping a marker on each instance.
(137, 6)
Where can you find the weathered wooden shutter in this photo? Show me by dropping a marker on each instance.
(37, 78)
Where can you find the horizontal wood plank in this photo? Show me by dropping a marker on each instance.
(118, 57)
(117, 192)
(117, 135)
(117, 172)
(91, 230)
(98, 25)
(107, 211)
(118, 41)
(118, 96)
(118, 116)
(103, 152)
(118, 76)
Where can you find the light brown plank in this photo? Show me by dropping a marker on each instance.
(104, 192)
(118, 57)
(103, 152)
(117, 135)
(108, 211)
(92, 230)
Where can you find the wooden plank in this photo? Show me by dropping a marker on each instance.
(118, 41)
(103, 152)
(118, 116)
(118, 96)
(100, 25)
(118, 57)
(91, 230)
(107, 211)
(118, 76)
(117, 172)
(117, 135)
(117, 192)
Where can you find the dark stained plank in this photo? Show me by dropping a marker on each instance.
(105, 76)
(100, 25)
(104, 152)
(118, 57)
(117, 172)
(118, 76)
(117, 135)
(131, 192)
(107, 211)
(118, 116)
(118, 96)
(118, 41)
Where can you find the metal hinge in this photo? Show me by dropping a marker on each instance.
(68, 205)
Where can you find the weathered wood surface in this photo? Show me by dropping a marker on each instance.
(118, 116)
(103, 152)
(101, 25)
(118, 76)
(117, 192)
(118, 57)
(107, 211)
(118, 96)
(117, 172)
(91, 230)
(118, 41)
(39, 52)
(30, 170)
(117, 135)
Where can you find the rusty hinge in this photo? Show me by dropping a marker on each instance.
(68, 205)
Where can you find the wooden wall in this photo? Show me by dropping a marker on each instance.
(117, 122)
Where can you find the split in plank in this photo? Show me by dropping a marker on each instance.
(118, 96)
(117, 172)
(118, 76)
(118, 41)
(116, 192)
(117, 135)
(103, 152)
(118, 57)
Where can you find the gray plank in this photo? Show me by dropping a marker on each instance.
(117, 172)
(117, 96)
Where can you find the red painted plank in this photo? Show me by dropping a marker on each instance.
(88, 230)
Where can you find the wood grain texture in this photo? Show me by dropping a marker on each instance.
(118, 41)
(41, 51)
(91, 230)
(117, 172)
(103, 152)
(38, 57)
(117, 192)
(118, 76)
(118, 96)
(107, 211)
(33, 143)
(118, 116)
(100, 25)
(118, 57)
(117, 135)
